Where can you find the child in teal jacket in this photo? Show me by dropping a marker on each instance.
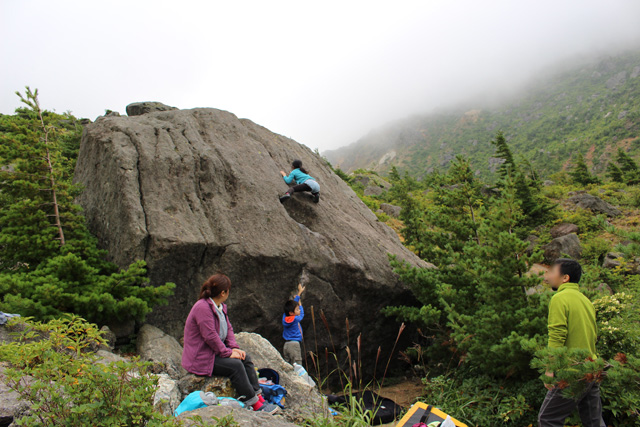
(303, 182)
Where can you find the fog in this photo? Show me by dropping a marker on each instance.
(323, 73)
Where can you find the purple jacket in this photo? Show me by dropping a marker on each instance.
(202, 341)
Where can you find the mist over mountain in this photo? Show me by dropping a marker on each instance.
(588, 106)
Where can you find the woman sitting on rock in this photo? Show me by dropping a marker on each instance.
(210, 347)
(304, 182)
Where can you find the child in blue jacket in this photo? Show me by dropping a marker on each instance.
(304, 182)
(292, 331)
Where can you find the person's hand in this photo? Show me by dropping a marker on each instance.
(236, 353)
(300, 289)
(549, 386)
(283, 173)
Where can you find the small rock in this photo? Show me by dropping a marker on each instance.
(156, 346)
(11, 407)
(140, 108)
(548, 183)
(391, 210)
(594, 204)
(564, 229)
(533, 241)
(604, 288)
(568, 245)
(167, 396)
(373, 190)
(242, 417)
(220, 386)
(611, 260)
(105, 357)
(109, 337)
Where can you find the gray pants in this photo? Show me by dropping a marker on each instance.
(556, 408)
(292, 352)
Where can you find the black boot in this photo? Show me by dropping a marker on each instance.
(285, 197)
(316, 197)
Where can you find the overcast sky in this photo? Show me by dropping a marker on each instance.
(323, 73)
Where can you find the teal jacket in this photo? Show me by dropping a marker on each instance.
(572, 319)
(297, 175)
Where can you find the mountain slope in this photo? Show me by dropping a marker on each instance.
(592, 108)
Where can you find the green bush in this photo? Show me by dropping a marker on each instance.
(52, 366)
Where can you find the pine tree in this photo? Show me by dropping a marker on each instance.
(580, 172)
(503, 151)
(49, 261)
(615, 173)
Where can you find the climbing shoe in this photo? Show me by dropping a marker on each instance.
(268, 408)
(285, 197)
(316, 197)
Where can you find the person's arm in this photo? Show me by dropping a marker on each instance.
(204, 320)
(297, 299)
(287, 179)
(557, 323)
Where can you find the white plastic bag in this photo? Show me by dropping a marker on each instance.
(447, 422)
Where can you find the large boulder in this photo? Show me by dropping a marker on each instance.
(156, 346)
(242, 417)
(373, 190)
(391, 210)
(564, 245)
(139, 108)
(167, 396)
(302, 400)
(563, 229)
(594, 204)
(193, 192)
(220, 386)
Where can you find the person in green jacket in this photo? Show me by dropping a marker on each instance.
(572, 324)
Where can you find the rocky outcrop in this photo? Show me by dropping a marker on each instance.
(303, 400)
(140, 108)
(11, 407)
(242, 417)
(373, 190)
(594, 204)
(391, 210)
(156, 346)
(193, 192)
(220, 386)
(612, 260)
(167, 396)
(563, 229)
(568, 245)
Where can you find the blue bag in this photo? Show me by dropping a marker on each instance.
(272, 393)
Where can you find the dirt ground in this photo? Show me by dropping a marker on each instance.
(405, 394)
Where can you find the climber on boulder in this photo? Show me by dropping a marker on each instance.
(303, 182)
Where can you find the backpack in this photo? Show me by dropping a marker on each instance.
(272, 393)
(384, 410)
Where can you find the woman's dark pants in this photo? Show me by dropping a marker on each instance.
(242, 374)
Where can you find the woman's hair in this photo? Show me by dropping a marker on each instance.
(297, 164)
(214, 286)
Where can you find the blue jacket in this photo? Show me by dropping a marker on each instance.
(299, 176)
(292, 331)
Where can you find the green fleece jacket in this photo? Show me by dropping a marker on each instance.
(572, 319)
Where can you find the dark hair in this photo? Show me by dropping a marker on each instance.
(570, 267)
(297, 164)
(214, 286)
(290, 307)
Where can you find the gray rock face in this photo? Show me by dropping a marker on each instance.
(558, 247)
(241, 416)
(563, 229)
(140, 108)
(391, 210)
(595, 204)
(193, 192)
(302, 400)
(156, 346)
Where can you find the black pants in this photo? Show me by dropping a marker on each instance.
(298, 188)
(242, 374)
(556, 408)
